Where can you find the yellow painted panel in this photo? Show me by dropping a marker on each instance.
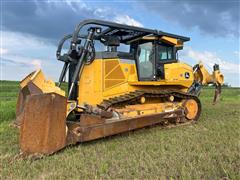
(110, 65)
(116, 74)
(90, 85)
(174, 75)
(112, 83)
(166, 39)
(132, 69)
(38, 78)
(121, 78)
(169, 40)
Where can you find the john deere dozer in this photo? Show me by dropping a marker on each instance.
(136, 81)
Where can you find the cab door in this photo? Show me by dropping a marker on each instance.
(151, 56)
(146, 61)
(164, 54)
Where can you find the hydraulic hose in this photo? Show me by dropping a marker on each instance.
(80, 61)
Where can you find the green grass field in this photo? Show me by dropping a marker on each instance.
(209, 149)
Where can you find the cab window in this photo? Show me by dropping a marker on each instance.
(165, 53)
(145, 60)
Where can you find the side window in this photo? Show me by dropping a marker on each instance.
(145, 60)
(165, 53)
(144, 55)
(170, 52)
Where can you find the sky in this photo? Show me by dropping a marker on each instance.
(30, 30)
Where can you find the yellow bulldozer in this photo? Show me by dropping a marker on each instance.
(120, 78)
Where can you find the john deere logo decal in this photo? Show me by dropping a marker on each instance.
(187, 75)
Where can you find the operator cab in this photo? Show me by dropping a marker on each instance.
(151, 53)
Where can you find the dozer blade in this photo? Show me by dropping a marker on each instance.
(43, 129)
(33, 84)
(41, 115)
